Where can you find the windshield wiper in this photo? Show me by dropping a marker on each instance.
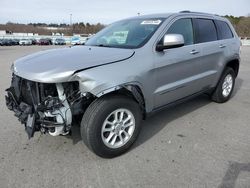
(103, 45)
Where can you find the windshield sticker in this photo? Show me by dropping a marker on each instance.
(151, 22)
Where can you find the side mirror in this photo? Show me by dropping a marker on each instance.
(170, 41)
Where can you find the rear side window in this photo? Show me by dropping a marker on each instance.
(205, 30)
(183, 27)
(223, 29)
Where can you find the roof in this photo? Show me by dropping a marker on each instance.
(166, 15)
(148, 16)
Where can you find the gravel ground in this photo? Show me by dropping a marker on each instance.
(196, 144)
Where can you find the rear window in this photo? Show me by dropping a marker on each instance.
(223, 29)
(205, 30)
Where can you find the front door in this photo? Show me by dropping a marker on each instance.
(178, 69)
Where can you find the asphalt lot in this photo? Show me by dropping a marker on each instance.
(196, 144)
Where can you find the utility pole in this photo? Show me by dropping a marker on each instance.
(71, 24)
(70, 19)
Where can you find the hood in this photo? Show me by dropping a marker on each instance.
(58, 65)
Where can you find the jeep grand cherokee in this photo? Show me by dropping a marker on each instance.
(129, 69)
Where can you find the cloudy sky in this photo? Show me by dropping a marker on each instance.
(107, 11)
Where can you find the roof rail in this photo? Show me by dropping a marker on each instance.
(185, 11)
(188, 11)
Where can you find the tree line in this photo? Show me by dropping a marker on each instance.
(241, 25)
(48, 29)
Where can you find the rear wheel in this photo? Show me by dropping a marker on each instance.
(110, 125)
(225, 87)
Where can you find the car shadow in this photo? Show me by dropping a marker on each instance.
(232, 173)
(238, 85)
(75, 134)
(158, 121)
(155, 123)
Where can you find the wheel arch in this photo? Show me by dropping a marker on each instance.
(234, 64)
(130, 90)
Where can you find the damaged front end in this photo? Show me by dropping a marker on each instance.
(45, 107)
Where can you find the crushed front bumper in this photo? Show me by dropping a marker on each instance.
(40, 107)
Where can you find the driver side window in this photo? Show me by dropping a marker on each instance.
(185, 28)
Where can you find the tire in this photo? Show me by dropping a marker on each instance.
(220, 95)
(105, 109)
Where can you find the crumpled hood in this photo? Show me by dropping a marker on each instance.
(58, 65)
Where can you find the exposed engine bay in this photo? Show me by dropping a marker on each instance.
(46, 107)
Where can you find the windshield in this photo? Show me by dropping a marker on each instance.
(132, 33)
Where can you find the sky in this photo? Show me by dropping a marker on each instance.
(108, 11)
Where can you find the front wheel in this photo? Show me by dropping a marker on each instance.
(225, 87)
(110, 125)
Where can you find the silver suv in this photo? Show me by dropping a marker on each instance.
(128, 70)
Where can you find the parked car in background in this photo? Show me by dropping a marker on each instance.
(127, 71)
(60, 41)
(85, 38)
(34, 41)
(1, 42)
(75, 41)
(14, 41)
(45, 41)
(25, 42)
(6, 42)
(50, 41)
(9, 42)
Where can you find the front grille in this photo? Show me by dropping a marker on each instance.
(25, 94)
(32, 93)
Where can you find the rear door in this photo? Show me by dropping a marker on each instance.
(211, 50)
(227, 42)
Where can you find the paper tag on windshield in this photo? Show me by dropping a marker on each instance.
(151, 22)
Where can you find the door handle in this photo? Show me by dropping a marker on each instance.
(222, 46)
(193, 52)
